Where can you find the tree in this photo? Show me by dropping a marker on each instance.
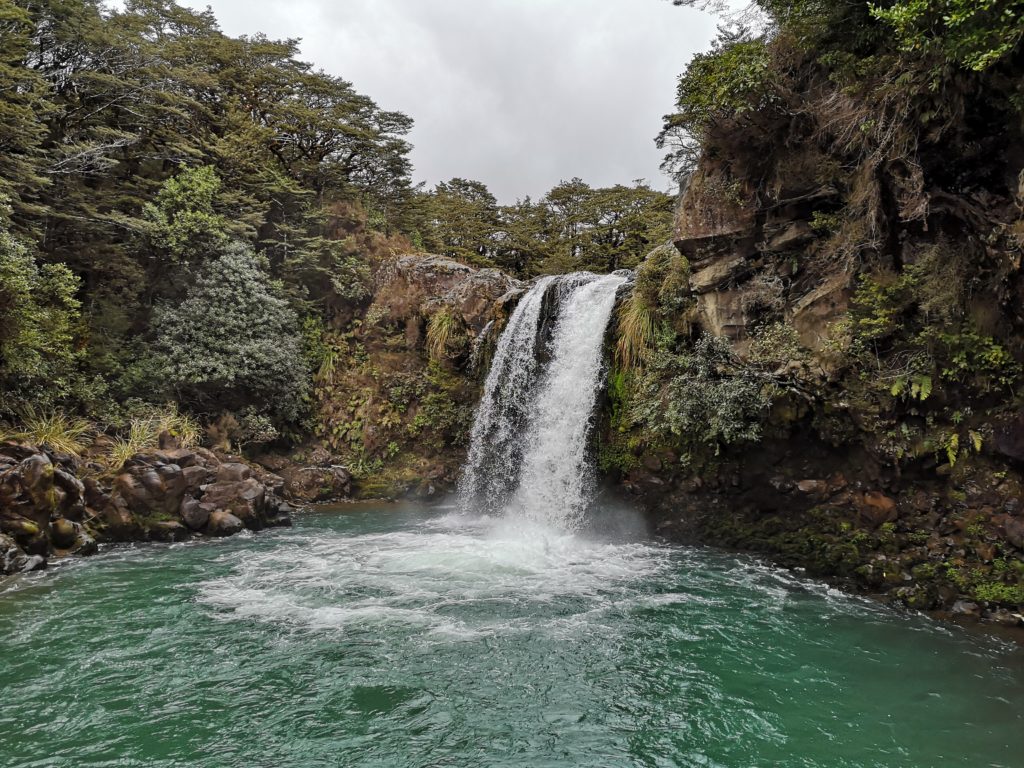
(38, 321)
(233, 342)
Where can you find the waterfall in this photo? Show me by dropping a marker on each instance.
(528, 452)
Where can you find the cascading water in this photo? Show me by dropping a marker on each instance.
(529, 442)
(495, 445)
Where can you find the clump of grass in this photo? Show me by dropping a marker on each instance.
(53, 429)
(180, 425)
(637, 326)
(143, 433)
(441, 332)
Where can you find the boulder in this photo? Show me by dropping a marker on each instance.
(310, 484)
(168, 531)
(875, 508)
(223, 523)
(63, 533)
(194, 514)
(119, 524)
(231, 472)
(1014, 527)
(148, 490)
(196, 477)
(14, 560)
(246, 500)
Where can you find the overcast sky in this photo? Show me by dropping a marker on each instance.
(519, 94)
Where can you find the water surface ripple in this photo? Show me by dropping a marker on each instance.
(402, 638)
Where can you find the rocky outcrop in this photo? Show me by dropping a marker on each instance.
(411, 285)
(319, 477)
(883, 319)
(52, 506)
(395, 405)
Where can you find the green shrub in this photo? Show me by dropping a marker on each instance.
(233, 342)
(700, 394)
(971, 33)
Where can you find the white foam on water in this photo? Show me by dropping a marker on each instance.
(456, 579)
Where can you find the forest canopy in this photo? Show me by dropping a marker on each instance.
(143, 151)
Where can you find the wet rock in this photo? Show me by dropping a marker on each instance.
(817, 488)
(223, 523)
(1014, 528)
(34, 563)
(194, 514)
(12, 558)
(63, 533)
(319, 457)
(1008, 437)
(273, 462)
(875, 508)
(84, 544)
(147, 490)
(279, 513)
(245, 499)
(119, 524)
(168, 531)
(196, 477)
(311, 484)
(233, 472)
(966, 608)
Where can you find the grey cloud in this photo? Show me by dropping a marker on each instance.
(516, 93)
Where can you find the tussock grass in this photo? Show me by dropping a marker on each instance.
(143, 433)
(637, 326)
(54, 429)
(441, 332)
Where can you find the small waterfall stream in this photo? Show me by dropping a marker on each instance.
(528, 451)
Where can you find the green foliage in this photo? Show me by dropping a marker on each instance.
(975, 34)
(733, 79)
(700, 394)
(573, 227)
(776, 344)
(184, 222)
(233, 342)
(39, 316)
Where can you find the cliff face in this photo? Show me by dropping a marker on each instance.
(400, 382)
(876, 302)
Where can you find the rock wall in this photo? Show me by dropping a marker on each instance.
(396, 404)
(891, 456)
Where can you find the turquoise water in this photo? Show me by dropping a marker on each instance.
(398, 637)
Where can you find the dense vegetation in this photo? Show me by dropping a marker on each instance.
(184, 215)
(573, 226)
(888, 137)
(839, 385)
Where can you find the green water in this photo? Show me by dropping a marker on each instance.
(404, 638)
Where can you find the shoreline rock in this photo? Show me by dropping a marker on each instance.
(53, 505)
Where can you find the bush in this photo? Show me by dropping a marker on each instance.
(233, 342)
(701, 395)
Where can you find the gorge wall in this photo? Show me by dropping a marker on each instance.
(863, 420)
